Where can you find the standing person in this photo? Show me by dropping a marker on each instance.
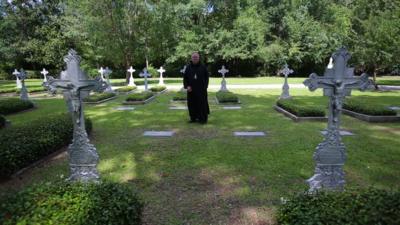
(195, 80)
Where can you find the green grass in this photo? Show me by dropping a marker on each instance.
(204, 175)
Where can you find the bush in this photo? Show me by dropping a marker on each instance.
(158, 88)
(370, 206)
(99, 97)
(298, 109)
(126, 89)
(368, 109)
(142, 96)
(73, 203)
(2, 121)
(180, 96)
(14, 105)
(227, 97)
(23, 145)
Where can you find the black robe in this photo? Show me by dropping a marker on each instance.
(196, 76)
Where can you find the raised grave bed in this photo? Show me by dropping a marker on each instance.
(139, 98)
(226, 97)
(14, 105)
(180, 96)
(126, 90)
(100, 98)
(369, 112)
(297, 112)
(159, 89)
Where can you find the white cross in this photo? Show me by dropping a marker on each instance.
(131, 80)
(183, 69)
(286, 71)
(107, 71)
(223, 71)
(131, 70)
(330, 65)
(161, 71)
(15, 73)
(44, 72)
(101, 71)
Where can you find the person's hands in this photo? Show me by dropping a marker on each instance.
(189, 89)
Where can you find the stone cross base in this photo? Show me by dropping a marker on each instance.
(327, 177)
(223, 86)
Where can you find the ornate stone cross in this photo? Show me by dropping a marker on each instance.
(161, 71)
(286, 71)
(145, 74)
(101, 71)
(21, 76)
(107, 73)
(131, 80)
(223, 71)
(76, 85)
(330, 154)
(44, 73)
(15, 73)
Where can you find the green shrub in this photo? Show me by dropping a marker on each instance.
(361, 207)
(2, 121)
(142, 96)
(23, 145)
(73, 203)
(180, 96)
(367, 108)
(227, 97)
(14, 105)
(99, 97)
(300, 110)
(158, 88)
(126, 89)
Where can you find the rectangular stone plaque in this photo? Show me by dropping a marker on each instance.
(158, 133)
(178, 107)
(124, 108)
(249, 134)
(232, 107)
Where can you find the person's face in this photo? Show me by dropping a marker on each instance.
(195, 58)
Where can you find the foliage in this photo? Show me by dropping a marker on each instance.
(126, 89)
(2, 121)
(141, 96)
(227, 97)
(23, 145)
(99, 97)
(158, 88)
(14, 105)
(299, 109)
(371, 206)
(180, 96)
(63, 202)
(367, 108)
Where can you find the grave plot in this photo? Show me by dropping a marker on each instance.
(126, 90)
(99, 98)
(249, 134)
(158, 133)
(298, 111)
(139, 98)
(374, 112)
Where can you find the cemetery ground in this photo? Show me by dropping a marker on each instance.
(205, 175)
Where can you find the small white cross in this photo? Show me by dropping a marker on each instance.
(44, 72)
(161, 70)
(107, 71)
(286, 71)
(101, 71)
(183, 69)
(131, 70)
(16, 73)
(223, 71)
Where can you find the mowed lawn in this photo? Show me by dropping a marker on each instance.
(205, 175)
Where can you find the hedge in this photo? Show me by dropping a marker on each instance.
(227, 97)
(158, 88)
(99, 97)
(73, 203)
(371, 206)
(22, 145)
(139, 96)
(296, 108)
(2, 121)
(367, 108)
(126, 89)
(180, 96)
(14, 105)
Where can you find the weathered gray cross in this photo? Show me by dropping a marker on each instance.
(107, 73)
(131, 80)
(286, 71)
(76, 85)
(161, 71)
(101, 71)
(21, 76)
(223, 71)
(44, 73)
(330, 155)
(15, 73)
(145, 74)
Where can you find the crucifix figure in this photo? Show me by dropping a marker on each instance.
(76, 85)
(21, 75)
(286, 71)
(330, 154)
(223, 71)
(107, 73)
(145, 74)
(131, 80)
(44, 73)
(183, 70)
(15, 73)
(161, 71)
